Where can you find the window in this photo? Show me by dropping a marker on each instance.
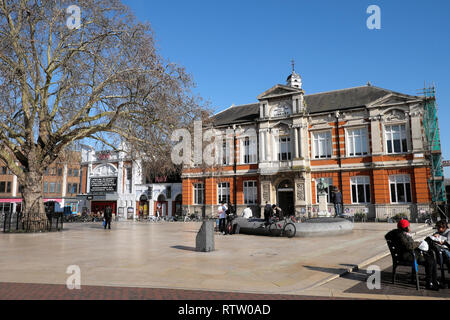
(284, 150)
(8, 187)
(225, 152)
(396, 139)
(60, 170)
(328, 181)
(400, 188)
(53, 171)
(51, 188)
(223, 192)
(45, 186)
(46, 172)
(357, 142)
(249, 150)
(70, 173)
(250, 192)
(198, 193)
(58, 187)
(69, 188)
(74, 188)
(2, 187)
(360, 189)
(4, 170)
(128, 179)
(322, 145)
(75, 173)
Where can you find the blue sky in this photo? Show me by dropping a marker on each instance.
(235, 50)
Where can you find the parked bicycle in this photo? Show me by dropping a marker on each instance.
(285, 227)
(192, 218)
(154, 219)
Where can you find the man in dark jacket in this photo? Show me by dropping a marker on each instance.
(404, 243)
(336, 198)
(268, 212)
(108, 217)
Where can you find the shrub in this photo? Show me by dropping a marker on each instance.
(399, 216)
(360, 216)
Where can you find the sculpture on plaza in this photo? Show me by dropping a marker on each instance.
(322, 187)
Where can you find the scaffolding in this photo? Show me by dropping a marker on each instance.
(433, 153)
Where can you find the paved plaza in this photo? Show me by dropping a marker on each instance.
(146, 256)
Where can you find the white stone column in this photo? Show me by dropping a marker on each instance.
(274, 156)
(416, 132)
(302, 141)
(120, 178)
(296, 143)
(261, 146)
(266, 145)
(376, 135)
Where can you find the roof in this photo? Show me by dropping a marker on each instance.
(316, 103)
(237, 114)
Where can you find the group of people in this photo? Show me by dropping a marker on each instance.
(224, 210)
(425, 252)
(106, 216)
(271, 211)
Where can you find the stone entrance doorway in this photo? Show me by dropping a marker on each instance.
(285, 197)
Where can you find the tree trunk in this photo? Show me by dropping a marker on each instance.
(33, 210)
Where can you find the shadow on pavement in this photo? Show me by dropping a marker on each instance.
(326, 270)
(402, 287)
(184, 248)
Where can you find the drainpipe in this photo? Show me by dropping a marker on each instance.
(339, 152)
(234, 168)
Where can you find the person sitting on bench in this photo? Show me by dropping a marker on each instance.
(404, 242)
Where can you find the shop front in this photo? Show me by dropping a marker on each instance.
(100, 206)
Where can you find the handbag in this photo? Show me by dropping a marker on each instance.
(104, 222)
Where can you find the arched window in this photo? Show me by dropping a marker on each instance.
(105, 170)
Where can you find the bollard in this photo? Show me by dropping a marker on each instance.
(205, 237)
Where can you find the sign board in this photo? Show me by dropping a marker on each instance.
(446, 163)
(103, 185)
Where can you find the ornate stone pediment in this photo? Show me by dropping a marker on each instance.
(392, 99)
(277, 91)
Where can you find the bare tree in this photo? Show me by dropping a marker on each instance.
(101, 80)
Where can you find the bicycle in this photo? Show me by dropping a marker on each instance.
(284, 227)
(154, 219)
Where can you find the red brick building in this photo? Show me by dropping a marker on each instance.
(61, 184)
(366, 140)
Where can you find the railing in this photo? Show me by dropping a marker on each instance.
(15, 222)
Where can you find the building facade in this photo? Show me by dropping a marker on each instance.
(113, 179)
(61, 184)
(366, 140)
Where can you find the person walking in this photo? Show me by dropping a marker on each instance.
(108, 216)
(336, 198)
(268, 212)
(221, 210)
